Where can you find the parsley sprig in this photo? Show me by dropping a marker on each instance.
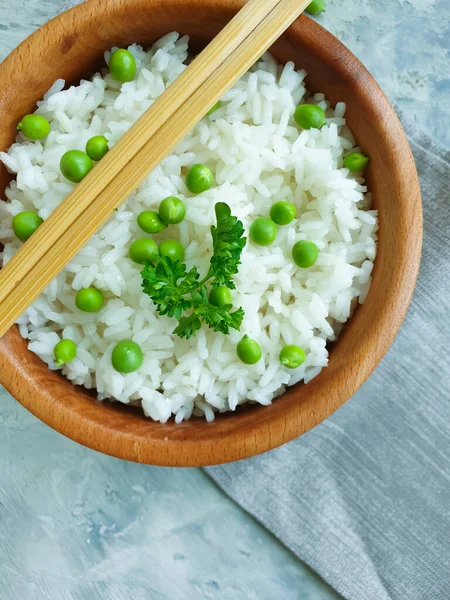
(175, 290)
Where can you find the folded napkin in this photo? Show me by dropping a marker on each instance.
(364, 498)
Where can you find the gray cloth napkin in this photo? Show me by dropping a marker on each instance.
(364, 498)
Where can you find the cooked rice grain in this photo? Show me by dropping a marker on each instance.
(258, 157)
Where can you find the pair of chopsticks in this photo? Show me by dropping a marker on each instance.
(230, 54)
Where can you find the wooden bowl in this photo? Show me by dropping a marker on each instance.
(71, 46)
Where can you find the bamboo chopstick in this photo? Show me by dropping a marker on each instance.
(130, 143)
(139, 151)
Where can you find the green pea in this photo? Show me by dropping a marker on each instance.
(150, 221)
(75, 165)
(263, 231)
(122, 65)
(173, 249)
(292, 356)
(213, 108)
(64, 352)
(309, 116)
(282, 213)
(89, 300)
(142, 250)
(97, 147)
(220, 296)
(34, 127)
(199, 179)
(127, 357)
(316, 7)
(356, 161)
(25, 224)
(248, 351)
(305, 254)
(172, 210)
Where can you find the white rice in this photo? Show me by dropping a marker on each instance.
(258, 156)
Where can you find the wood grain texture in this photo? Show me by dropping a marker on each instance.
(73, 45)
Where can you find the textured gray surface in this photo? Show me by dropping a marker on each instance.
(75, 524)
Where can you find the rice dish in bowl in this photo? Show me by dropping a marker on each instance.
(259, 156)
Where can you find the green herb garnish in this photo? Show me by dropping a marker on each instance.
(174, 290)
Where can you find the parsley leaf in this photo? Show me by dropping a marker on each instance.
(174, 290)
(160, 282)
(227, 244)
(187, 326)
(220, 319)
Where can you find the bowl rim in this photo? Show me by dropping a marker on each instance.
(229, 443)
